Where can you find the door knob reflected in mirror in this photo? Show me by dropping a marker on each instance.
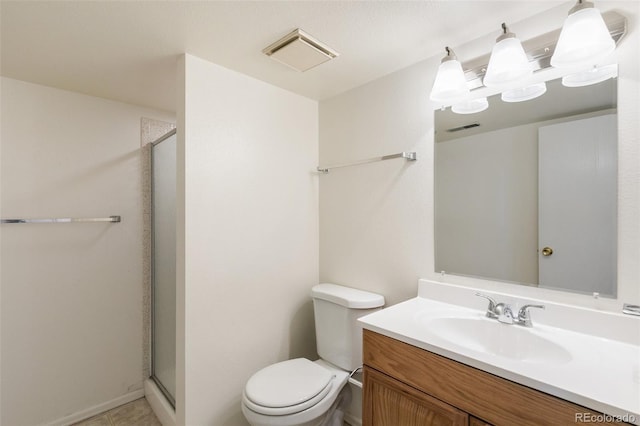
(547, 251)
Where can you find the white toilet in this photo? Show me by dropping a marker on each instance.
(299, 392)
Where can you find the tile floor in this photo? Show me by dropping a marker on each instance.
(135, 413)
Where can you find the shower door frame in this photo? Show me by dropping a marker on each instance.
(153, 377)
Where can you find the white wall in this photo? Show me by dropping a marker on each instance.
(249, 247)
(71, 293)
(376, 221)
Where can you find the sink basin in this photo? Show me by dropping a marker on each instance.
(507, 341)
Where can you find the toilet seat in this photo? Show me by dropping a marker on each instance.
(287, 387)
(307, 417)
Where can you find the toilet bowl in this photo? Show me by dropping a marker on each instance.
(300, 392)
(308, 393)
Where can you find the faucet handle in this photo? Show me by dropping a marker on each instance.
(524, 316)
(491, 308)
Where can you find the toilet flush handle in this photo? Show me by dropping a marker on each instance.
(353, 380)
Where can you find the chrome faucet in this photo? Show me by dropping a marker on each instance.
(506, 317)
(504, 313)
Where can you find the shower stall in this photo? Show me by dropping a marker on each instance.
(163, 264)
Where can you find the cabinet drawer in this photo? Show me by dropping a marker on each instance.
(493, 399)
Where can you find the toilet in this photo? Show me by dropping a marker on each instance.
(300, 392)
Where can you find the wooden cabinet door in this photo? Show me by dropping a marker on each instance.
(474, 421)
(388, 402)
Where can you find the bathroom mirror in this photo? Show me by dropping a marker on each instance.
(526, 192)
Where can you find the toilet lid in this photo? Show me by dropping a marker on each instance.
(287, 383)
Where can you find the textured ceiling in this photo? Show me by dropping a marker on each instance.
(127, 50)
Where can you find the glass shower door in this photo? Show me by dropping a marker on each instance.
(163, 220)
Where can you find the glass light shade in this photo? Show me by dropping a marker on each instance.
(471, 106)
(584, 40)
(450, 85)
(526, 93)
(508, 64)
(593, 76)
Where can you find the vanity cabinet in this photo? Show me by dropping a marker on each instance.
(406, 386)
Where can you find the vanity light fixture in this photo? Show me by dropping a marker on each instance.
(471, 106)
(525, 93)
(508, 63)
(584, 40)
(592, 76)
(450, 85)
(452, 88)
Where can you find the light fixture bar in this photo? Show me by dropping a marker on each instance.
(540, 49)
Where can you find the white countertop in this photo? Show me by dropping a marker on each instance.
(596, 372)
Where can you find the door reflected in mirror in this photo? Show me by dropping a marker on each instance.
(527, 192)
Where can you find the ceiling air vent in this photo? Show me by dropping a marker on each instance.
(465, 127)
(300, 51)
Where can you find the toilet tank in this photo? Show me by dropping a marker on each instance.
(338, 334)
